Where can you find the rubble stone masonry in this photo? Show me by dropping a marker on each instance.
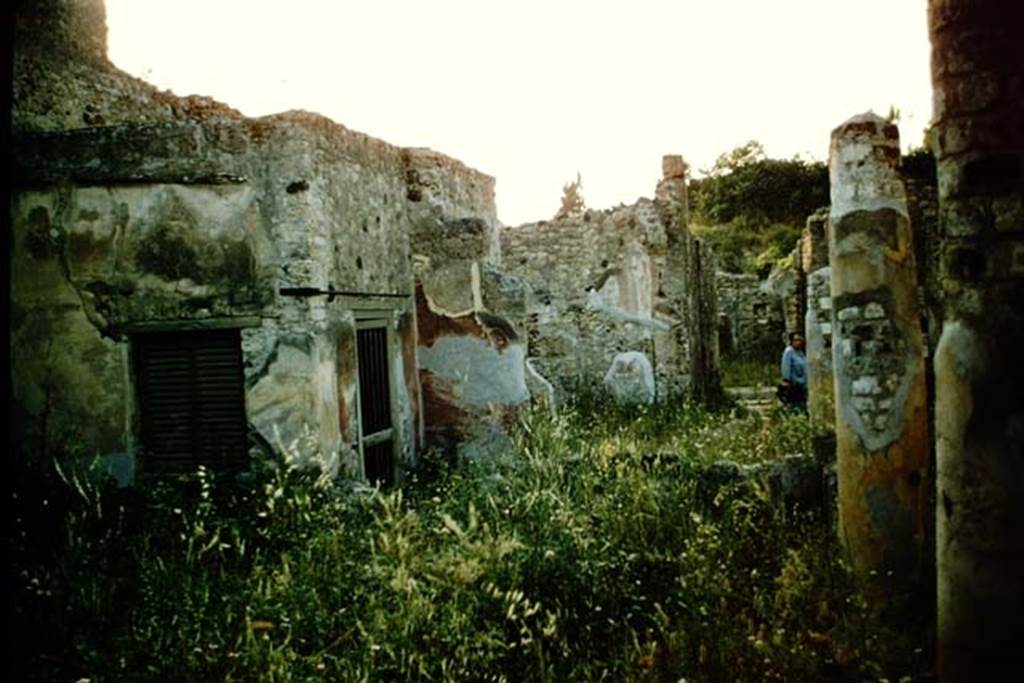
(878, 362)
(978, 86)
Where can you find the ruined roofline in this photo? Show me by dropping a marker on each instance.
(452, 163)
(336, 131)
(673, 171)
(61, 51)
(571, 222)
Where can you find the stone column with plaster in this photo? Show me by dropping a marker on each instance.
(878, 361)
(978, 79)
(818, 319)
(673, 351)
(691, 287)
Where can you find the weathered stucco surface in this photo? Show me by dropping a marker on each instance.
(138, 211)
(630, 379)
(750, 318)
(469, 354)
(628, 279)
(977, 63)
(878, 361)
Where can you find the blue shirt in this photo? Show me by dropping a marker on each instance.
(794, 366)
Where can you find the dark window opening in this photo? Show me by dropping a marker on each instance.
(191, 391)
(375, 404)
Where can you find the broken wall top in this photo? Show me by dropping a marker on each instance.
(63, 83)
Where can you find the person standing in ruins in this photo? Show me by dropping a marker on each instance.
(793, 389)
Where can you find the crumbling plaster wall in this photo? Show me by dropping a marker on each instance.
(136, 210)
(593, 281)
(751, 324)
(308, 204)
(608, 282)
(470, 353)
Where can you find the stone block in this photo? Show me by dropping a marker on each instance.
(673, 166)
(874, 310)
(630, 378)
(866, 386)
(849, 313)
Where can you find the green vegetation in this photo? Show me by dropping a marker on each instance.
(744, 248)
(745, 185)
(581, 556)
(746, 372)
(751, 209)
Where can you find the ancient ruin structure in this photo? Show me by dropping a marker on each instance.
(818, 319)
(626, 280)
(188, 282)
(978, 78)
(878, 360)
(751, 324)
(191, 286)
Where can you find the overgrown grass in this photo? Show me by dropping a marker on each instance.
(579, 558)
(697, 436)
(743, 372)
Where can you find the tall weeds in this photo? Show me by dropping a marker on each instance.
(586, 556)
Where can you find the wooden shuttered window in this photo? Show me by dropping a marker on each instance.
(375, 403)
(191, 392)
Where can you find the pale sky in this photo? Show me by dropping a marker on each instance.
(532, 91)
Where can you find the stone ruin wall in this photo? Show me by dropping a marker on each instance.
(624, 280)
(591, 284)
(977, 66)
(470, 353)
(750, 318)
(818, 319)
(139, 211)
(136, 211)
(162, 250)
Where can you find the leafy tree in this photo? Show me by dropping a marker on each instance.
(753, 208)
(745, 185)
(748, 153)
(572, 199)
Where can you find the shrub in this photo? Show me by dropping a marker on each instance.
(761, 193)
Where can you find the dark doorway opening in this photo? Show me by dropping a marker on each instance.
(377, 442)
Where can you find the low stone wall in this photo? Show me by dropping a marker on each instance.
(592, 286)
(628, 279)
(750, 320)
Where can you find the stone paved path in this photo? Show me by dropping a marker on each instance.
(755, 399)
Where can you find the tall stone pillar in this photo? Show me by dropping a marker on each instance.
(881, 412)
(689, 286)
(978, 79)
(818, 319)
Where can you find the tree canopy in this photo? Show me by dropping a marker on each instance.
(745, 185)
